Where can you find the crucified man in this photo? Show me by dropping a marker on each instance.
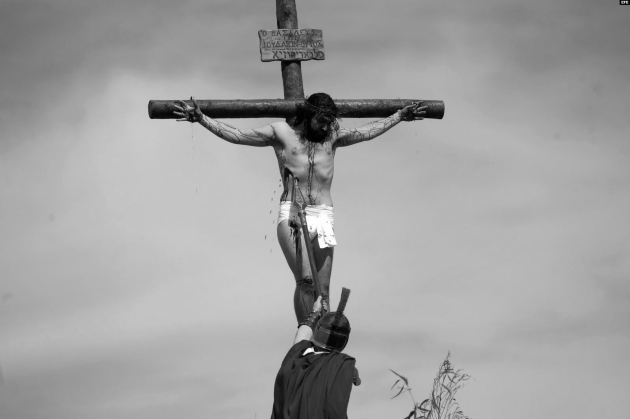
(305, 148)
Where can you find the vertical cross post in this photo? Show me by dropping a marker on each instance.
(286, 16)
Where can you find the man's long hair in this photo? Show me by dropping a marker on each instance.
(319, 106)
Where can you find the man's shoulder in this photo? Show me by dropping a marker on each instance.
(298, 348)
(344, 355)
(285, 133)
(282, 125)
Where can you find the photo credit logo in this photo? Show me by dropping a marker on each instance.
(624, 2)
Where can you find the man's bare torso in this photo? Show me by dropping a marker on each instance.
(311, 163)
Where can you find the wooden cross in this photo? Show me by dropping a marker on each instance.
(286, 14)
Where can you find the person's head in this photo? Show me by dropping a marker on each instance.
(318, 116)
(333, 329)
(332, 332)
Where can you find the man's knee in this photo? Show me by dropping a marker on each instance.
(306, 289)
(307, 281)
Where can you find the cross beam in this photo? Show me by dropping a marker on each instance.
(286, 15)
(278, 108)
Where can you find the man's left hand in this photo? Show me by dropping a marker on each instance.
(413, 112)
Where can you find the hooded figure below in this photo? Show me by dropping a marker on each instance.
(315, 378)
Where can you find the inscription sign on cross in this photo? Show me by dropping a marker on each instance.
(291, 44)
(291, 70)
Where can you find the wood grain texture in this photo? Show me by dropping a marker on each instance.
(279, 108)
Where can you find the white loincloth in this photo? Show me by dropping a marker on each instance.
(319, 219)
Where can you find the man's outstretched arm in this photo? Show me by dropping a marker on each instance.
(350, 136)
(305, 330)
(259, 137)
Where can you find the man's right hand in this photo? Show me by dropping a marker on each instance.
(317, 305)
(188, 113)
(356, 380)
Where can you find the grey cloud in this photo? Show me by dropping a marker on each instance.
(150, 380)
(553, 327)
(187, 373)
(43, 41)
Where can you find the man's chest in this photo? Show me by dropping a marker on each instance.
(298, 152)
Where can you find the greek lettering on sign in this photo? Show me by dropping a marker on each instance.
(291, 44)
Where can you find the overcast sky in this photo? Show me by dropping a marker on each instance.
(139, 272)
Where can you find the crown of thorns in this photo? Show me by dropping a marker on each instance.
(319, 111)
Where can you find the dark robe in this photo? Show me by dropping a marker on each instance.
(313, 386)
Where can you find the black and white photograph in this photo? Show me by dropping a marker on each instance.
(403, 209)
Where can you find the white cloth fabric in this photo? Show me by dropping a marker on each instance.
(311, 350)
(319, 218)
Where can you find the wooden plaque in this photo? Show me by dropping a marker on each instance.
(291, 44)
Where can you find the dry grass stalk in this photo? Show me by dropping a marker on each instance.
(441, 404)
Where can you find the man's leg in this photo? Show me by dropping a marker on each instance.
(293, 246)
(323, 261)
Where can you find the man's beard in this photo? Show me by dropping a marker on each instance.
(312, 135)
